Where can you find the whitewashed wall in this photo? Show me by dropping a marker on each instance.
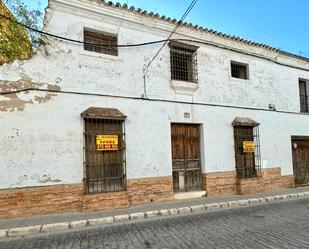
(41, 140)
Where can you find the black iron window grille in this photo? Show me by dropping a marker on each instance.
(248, 160)
(239, 70)
(104, 164)
(304, 95)
(183, 62)
(93, 40)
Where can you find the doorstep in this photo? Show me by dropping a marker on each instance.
(189, 195)
(17, 227)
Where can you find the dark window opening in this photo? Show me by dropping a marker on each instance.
(104, 161)
(95, 39)
(239, 70)
(183, 62)
(304, 95)
(247, 151)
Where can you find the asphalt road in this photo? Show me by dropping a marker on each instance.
(282, 224)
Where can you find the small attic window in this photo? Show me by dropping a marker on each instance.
(239, 70)
(93, 41)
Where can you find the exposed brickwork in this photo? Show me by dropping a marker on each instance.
(40, 200)
(274, 180)
(220, 183)
(70, 197)
(249, 186)
(226, 183)
(150, 189)
(105, 201)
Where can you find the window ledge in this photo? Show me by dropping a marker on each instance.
(184, 87)
(100, 55)
(233, 79)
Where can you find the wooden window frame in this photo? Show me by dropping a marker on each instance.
(234, 65)
(183, 61)
(304, 95)
(248, 165)
(93, 37)
(104, 169)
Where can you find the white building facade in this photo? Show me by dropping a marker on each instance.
(83, 129)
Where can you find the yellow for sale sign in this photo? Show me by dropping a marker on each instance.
(106, 142)
(248, 146)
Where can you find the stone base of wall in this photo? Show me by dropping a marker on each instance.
(150, 189)
(105, 201)
(40, 200)
(273, 180)
(226, 183)
(220, 183)
(70, 197)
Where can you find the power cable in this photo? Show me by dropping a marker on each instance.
(153, 42)
(78, 41)
(146, 66)
(156, 42)
(123, 14)
(148, 99)
(86, 43)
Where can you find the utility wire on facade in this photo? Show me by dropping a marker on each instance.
(146, 67)
(123, 14)
(78, 41)
(156, 42)
(143, 99)
(90, 43)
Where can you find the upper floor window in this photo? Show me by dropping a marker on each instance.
(304, 95)
(239, 70)
(183, 62)
(93, 41)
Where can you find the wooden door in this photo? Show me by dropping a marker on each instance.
(186, 157)
(300, 148)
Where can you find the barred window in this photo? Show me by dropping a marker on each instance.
(94, 39)
(304, 95)
(247, 149)
(239, 70)
(104, 152)
(183, 62)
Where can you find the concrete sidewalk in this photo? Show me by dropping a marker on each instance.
(56, 222)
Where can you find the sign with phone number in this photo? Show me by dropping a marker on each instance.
(248, 146)
(106, 142)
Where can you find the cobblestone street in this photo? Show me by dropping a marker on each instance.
(284, 224)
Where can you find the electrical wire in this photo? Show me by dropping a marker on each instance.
(87, 43)
(147, 99)
(146, 66)
(173, 31)
(145, 44)
(217, 45)
(78, 41)
(122, 18)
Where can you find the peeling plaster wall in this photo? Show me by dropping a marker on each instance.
(41, 135)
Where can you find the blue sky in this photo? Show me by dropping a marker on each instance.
(279, 23)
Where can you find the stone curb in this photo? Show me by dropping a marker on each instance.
(31, 230)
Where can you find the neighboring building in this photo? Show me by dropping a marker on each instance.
(14, 40)
(81, 130)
